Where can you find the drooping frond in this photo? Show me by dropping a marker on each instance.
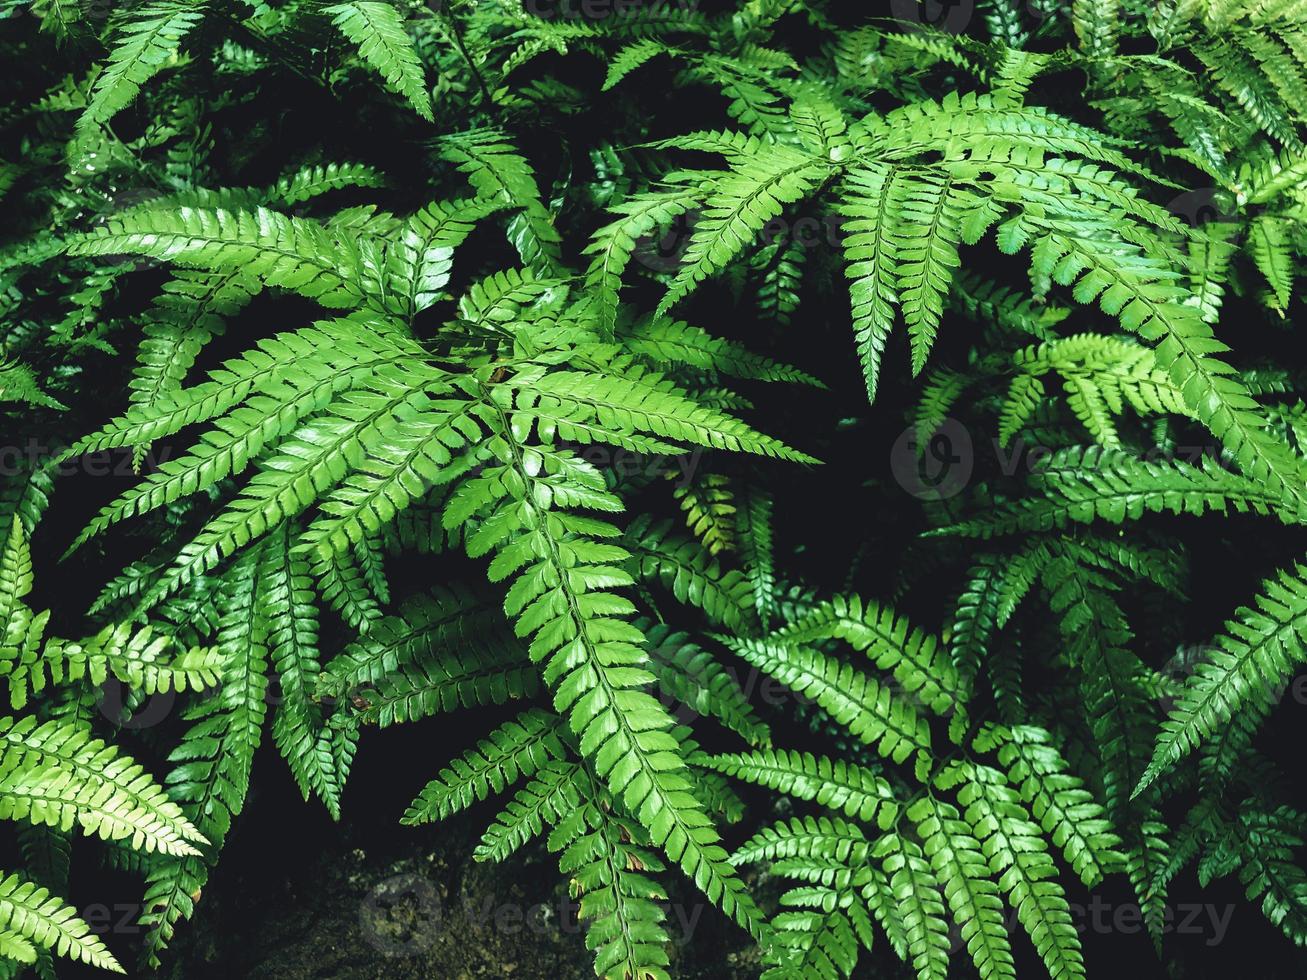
(378, 30)
(1249, 661)
(145, 43)
(30, 918)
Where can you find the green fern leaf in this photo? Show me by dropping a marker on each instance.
(378, 30)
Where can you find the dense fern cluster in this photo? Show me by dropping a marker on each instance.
(549, 362)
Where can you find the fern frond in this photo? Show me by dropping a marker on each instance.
(674, 341)
(143, 46)
(1086, 485)
(1018, 856)
(870, 711)
(56, 774)
(378, 30)
(956, 857)
(294, 253)
(591, 654)
(285, 602)
(499, 173)
(514, 750)
(699, 682)
(1064, 808)
(1259, 648)
(547, 799)
(736, 209)
(836, 784)
(919, 896)
(30, 917)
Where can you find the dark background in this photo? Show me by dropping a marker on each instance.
(297, 896)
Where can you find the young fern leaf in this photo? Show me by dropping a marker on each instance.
(890, 642)
(58, 775)
(31, 918)
(15, 575)
(516, 749)
(838, 785)
(328, 350)
(294, 253)
(591, 655)
(285, 602)
(1258, 651)
(443, 624)
(148, 40)
(737, 208)
(377, 28)
(495, 673)
(631, 57)
(1096, 26)
(1137, 290)
(756, 551)
(824, 940)
(692, 576)
(420, 261)
(645, 402)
